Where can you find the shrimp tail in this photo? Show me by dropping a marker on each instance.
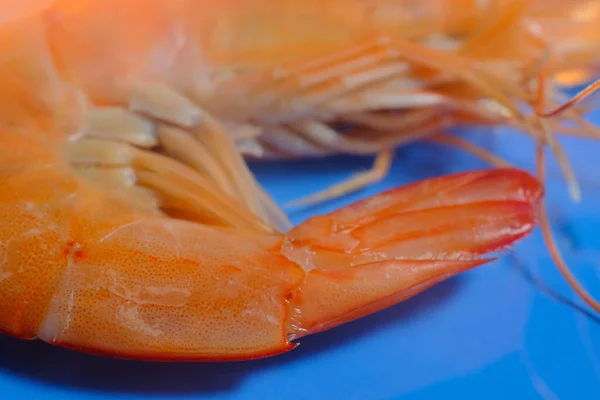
(383, 250)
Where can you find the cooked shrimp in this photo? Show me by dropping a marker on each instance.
(280, 78)
(90, 270)
(115, 247)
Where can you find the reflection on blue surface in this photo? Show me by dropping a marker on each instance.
(492, 333)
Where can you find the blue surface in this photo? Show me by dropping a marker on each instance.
(491, 333)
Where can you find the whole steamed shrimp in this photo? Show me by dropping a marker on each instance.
(124, 234)
(132, 226)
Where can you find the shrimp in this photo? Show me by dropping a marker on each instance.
(113, 246)
(313, 78)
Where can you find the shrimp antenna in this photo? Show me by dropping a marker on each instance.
(562, 266)
(564, 269)
(565, 166)
(543, 73)
(578, 98)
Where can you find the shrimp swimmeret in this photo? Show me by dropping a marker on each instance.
(114, 245)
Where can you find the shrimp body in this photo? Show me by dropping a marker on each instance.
(131, 226)
(90, 270)
(312, 78)
(291, 69)
(113, 246)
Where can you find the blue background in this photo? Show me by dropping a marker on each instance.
(501, 331)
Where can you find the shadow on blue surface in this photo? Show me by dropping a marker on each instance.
(37, 361)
